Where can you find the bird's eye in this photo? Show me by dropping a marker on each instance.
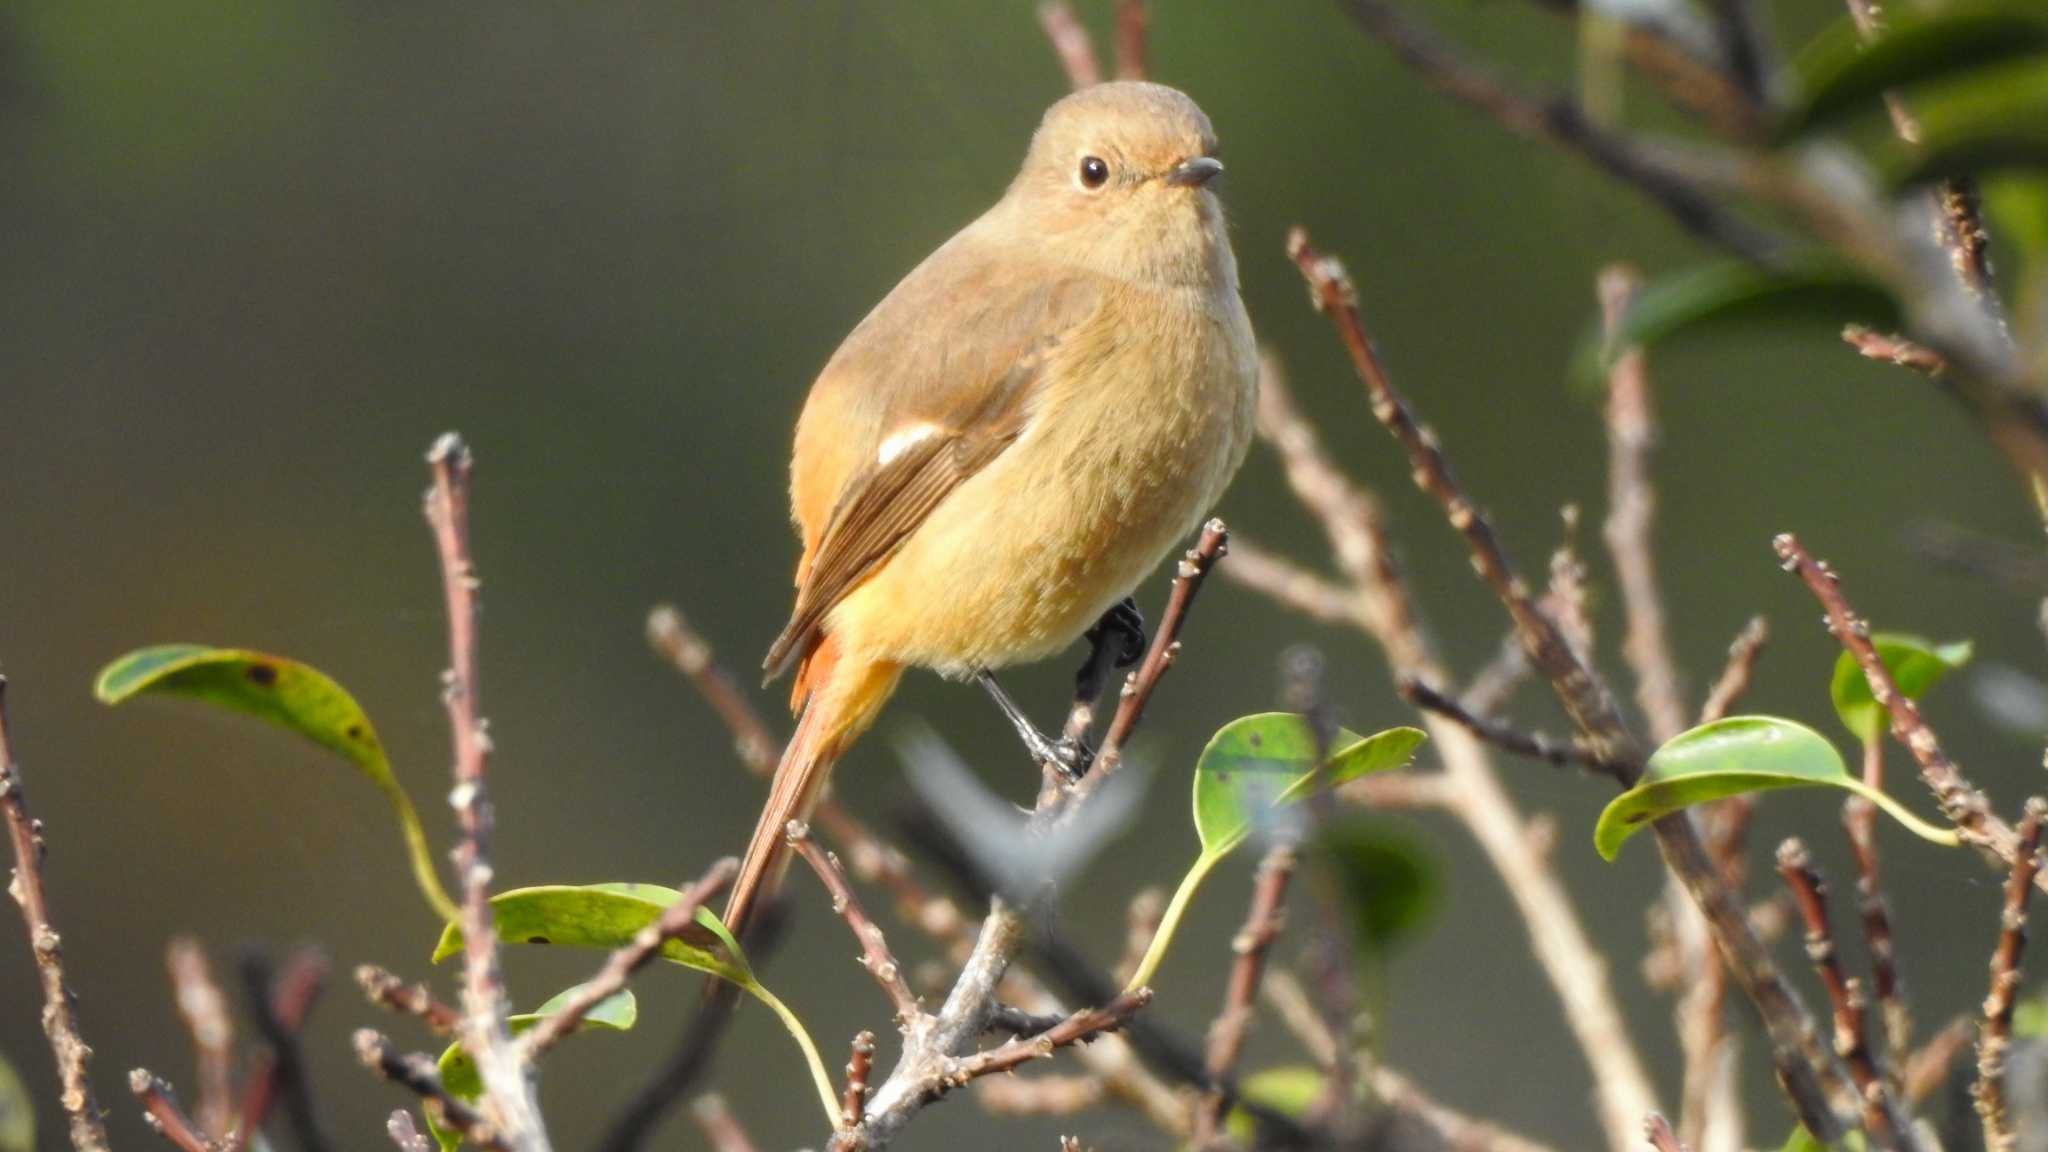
(1094, 171)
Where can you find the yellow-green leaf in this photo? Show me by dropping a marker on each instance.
(1738, 755)
(618, 1012)
(1840, 74)
(1290, 1090)
(17, 1113)
(1916, 665)
(608, 916)
(297, 697)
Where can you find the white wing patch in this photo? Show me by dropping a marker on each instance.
(900, 441)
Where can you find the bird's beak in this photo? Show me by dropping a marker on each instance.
(1194, 172)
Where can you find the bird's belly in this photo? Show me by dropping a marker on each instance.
(1022, 559)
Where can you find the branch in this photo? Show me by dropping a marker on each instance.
(1534, 745)
(415, 1072)
(1735, 677)
(1227, 1032)
(720, 1127)
(1886, 1125)
(860, 1064)
(677, 919)
(1960, 801)
(875, 955)
(1894, 349)
(279, 1009)
(205, 1011)
(161, 1112)
(1070, 43)
(1658, 1131)
(60, 1014)
(1290, 585)
(404, 1133)
(1995, 1036)
(673, 637)
(1131, 52)
(384, 987)
(1585, 699)
(1558, 119)
(508, 1093)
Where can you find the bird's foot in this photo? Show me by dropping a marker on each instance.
(1123, 627)
(1069, 756)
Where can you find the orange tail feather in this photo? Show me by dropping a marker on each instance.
(845, 697)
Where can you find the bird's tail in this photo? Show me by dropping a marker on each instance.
(845, 696)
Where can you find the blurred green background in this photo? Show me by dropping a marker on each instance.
(257, 253)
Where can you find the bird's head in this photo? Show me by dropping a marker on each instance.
(1118, 178)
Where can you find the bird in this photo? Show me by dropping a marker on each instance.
(1015, 437)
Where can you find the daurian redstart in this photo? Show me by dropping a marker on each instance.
(1017, 434)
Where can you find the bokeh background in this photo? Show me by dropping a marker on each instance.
(258, 253)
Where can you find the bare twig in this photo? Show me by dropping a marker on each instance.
(1559, 120)
(1131, 54)
(406, 1134)
(1291, 585)
(1227, 1032)
(1039, 1095)
(859, 1066)
(1927, 1068)
(1070, 42)
(674, 638)
(1141, 924)
(1960, 801)
(416, 1073)
(161, 1112)
(1078, 1028)
(1994, 1037)
(1190, 574)
(1887, 1126)
(874, 950)
(205, 1011)
(384, 987)
(1733, 683)
(60, 1015)
(279, 1005)
(674, 921)
(1584, 696)
(508, 1091)
(1534, 745)
(721, 1129)
(1894, 349)
(1658, 1131)
(1859, 820)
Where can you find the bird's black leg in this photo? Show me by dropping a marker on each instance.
(1118, 637)
(1071, 757)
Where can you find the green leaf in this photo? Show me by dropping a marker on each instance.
(1840, 76)
(1290, 1089)
(2030, 1018)
(17, 1112)
(2018, 207)
(1722, 295)
(1802, 1141)
(1389, 883)
(1994, 120)
(608, 916)
(1916, 666)
(291, 695)
(1251, 767)
(618, 1012)
(1730, 757)
(1256, 763)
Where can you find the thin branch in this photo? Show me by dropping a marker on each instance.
(1558, 119)
(1189, 575)
(508, 1092)
(1131, 52)
(1927, 1068)
(383, 987)
(60, 1014)
(673, 637)
(1070, 43)
(406, 1134)
(1078, 1028)
(721, 1129)
(1733, 683)
(677, 919)
(1252, 942)
(1534, 745)
(1894, 349)
(1658, 1131)
(1960, 801)
(1585, 699)
(205, 1012)
(874, 950)
(1141, 924)
(1631, 507)
(416, 1073)
(1994, 1038)
(859, 1066)
(1886, 1125)
(161, 1112)
(1291, 585)
(1039, 1095)
(279, 1006)
(1859, 820)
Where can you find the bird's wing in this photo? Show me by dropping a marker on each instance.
(932, 387)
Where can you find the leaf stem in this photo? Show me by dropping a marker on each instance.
(419, 852)
(1162, 937)
(1932, 833)
(827, 1094)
